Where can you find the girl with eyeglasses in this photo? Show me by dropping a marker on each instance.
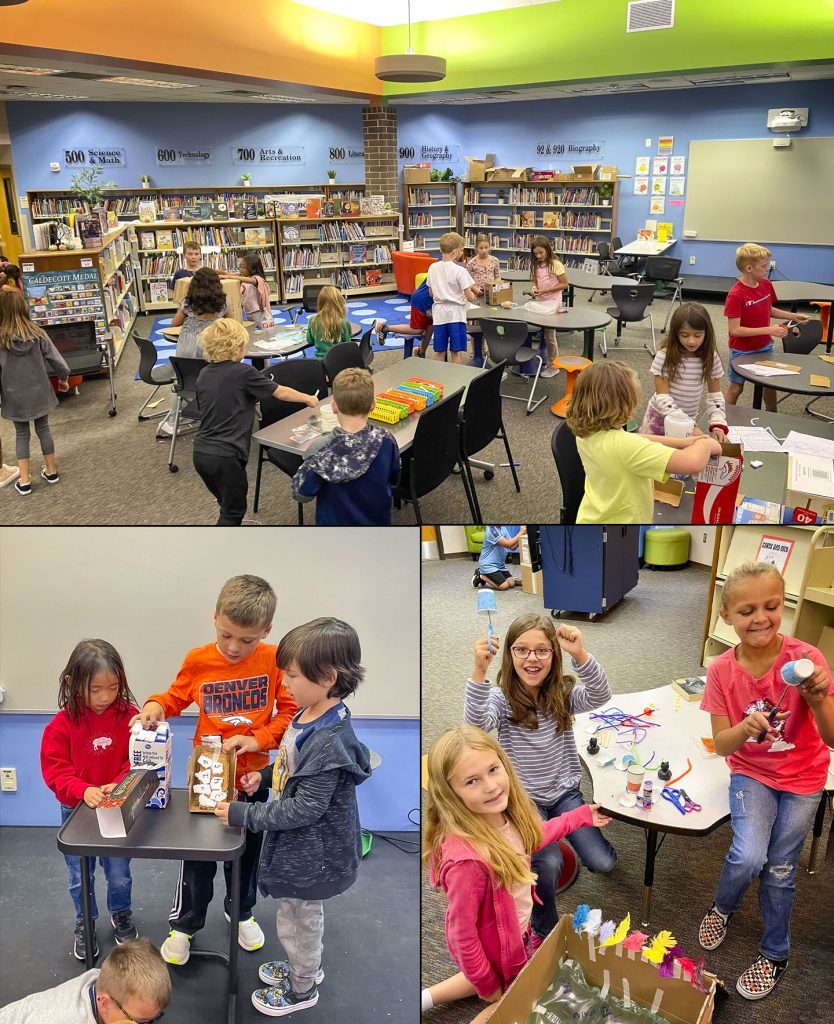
(532, 710)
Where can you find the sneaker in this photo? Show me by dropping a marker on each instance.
(8, 474)
(23, 488)
(249, 934)
(549, 371)
(51, 478)
(274, 1002)
(713, 928)
(176, 949)
(382, 330)
(760, 978)
(80, 947)
(476, 579)
(166, 429)
(123, 926)
(277, 972)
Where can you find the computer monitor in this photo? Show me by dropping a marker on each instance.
(77, 343)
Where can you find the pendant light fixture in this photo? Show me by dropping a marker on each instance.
(410, 66)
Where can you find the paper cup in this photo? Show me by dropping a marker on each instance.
(634, 779)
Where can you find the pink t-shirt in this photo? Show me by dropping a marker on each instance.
(521, 892)
(797, 761)
(547, 276)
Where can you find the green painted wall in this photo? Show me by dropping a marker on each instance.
(580, 40)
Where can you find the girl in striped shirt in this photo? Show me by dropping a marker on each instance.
(531, 709)
(686, 367)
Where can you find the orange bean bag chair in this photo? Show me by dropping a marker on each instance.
(406, 267)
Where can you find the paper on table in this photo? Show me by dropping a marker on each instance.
(770, 371)
(807, 444)
(754, 439)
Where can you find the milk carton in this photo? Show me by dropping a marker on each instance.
(153, 749)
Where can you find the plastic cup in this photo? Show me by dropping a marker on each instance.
(634, 779)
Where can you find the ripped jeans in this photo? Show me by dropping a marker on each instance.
(769, 828)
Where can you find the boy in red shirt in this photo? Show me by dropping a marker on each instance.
(237, 687)
(749, 309)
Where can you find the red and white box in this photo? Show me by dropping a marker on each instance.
(717, 486)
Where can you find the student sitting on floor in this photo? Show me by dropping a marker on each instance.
(329, 325)
(351, 474)
(481, 833)
(619, 466)
(227, 390)
(491, 570)
(132, 985)
(420, 323)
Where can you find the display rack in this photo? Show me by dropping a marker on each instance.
(572, 215)
(429, 210)
(329, 250)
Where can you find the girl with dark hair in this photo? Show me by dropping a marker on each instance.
(254, 290)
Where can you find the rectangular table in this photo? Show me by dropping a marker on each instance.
(707, 781)
(644, 248)
(451, 375)
(169, 834)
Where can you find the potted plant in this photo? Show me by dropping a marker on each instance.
(246, 178)
(502, 195)
(331, 177)
(146, 181)
(606, 192)
(87, 184)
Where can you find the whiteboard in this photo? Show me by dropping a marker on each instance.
(744, 190)
(151, 592)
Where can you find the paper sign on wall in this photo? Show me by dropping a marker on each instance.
(171, 157)
(660, 165)
(641, 165)
(86, 261)
(658, 186)
(665, 143)
(775, 551)
(677, 165)
(657, 205)
(641, 186)
(676, 186)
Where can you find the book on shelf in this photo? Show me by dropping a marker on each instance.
(158, 291)
(147, 240)
(219, 211)
(313, 207)
(350, 208)
(376, 204)
(550, 219)
(528, 218)
(358, 253)
(190, 213)
(255, 236)
(690, 687)
(147, 211)
(205, 210)
(373, 277)
(237, 209)
(290, 233)
(164, 240)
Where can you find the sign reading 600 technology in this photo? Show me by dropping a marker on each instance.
(170, 156)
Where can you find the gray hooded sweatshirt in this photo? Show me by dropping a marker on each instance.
(25, 391)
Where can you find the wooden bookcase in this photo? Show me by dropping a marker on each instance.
(429, 210)
(318, 251)
(809, 584)
(113, 306)
(572, 215)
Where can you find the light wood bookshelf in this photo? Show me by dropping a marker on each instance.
(435, 202)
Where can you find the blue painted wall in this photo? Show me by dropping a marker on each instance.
(384, 800)
(512, 130)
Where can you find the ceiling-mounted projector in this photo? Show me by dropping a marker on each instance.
(410, 67)
(787, 119)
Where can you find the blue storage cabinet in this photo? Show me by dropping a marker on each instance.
(588, 568)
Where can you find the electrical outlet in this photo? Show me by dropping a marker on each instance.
(692, 261)
(773, 264)
(704, 539)
(8, 780)
(648, 143)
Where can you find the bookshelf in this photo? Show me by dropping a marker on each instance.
(809, 583)
(85, 284)
(429, 210)
(159, 246)
(349, 252)
(572, 215)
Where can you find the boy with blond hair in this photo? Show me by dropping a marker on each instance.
(238, 690)
(133, 984)
(749, 309)
(352, 472)
(227, 390)
(452, 289)
(192, 256)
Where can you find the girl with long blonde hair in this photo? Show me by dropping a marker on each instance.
(481, 832)
(532, 710)
(328, 326)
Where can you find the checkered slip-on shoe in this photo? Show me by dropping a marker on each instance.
(760, 978)
(713, 928)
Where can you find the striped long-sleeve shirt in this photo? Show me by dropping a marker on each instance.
(545, 759)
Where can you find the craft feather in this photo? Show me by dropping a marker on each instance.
(594, 922)
(656, 949)
(580, 917)
(619, 934)
(605, 933)
(667, 966)
(635, 941)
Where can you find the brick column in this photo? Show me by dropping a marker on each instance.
(379, 131)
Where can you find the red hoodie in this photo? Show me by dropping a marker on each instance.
(482, 929)
(89, 751)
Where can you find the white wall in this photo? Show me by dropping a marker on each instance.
(702, 544)
(454, 539)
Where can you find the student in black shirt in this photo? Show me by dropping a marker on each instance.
(227, 390)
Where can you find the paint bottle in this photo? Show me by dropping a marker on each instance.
(647, 795)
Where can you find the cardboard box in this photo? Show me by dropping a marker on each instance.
(531, 582)
(680, 1001)
(717, 486)
(117, 813)
(608, 172)
(476, 169)
(811, 486)
(207, 764)
(585, 170)
(495, 294)
(153, 750)
(508, 173)
(524, 550)
(416, 174)
(669, 493)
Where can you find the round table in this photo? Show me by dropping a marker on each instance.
(585, 320)
(792, 383)
(793, 292)
(595, 282)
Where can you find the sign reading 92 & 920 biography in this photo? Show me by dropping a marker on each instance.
(275, 155)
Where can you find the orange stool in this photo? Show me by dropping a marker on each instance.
(825, 313)
(573, 366)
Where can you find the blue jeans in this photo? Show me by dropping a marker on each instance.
(592, 848)
(769, 828)
(116, 871)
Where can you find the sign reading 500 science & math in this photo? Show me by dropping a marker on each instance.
(95, 156)
(273, 155)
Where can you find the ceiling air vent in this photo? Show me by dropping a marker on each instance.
(646, 15)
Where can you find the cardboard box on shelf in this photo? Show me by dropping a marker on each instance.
(118, 811)
(476, 168)
(585, 170)
(416, 174)
(608, 172)
(810, 486)
(717, 485)
(679, 1001)
(531, 582)
(508, 173)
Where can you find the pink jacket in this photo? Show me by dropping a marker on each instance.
(482, 928)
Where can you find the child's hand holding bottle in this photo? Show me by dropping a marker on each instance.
(484, 656)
